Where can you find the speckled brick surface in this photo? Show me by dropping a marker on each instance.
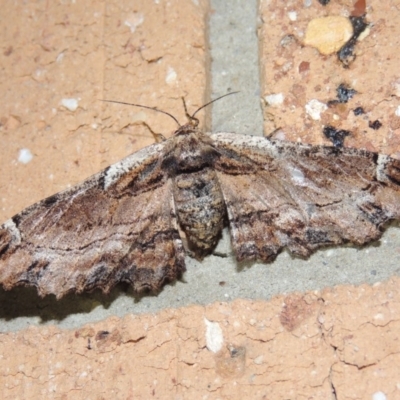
(303, 75)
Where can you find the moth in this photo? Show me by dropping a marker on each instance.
(126, 223)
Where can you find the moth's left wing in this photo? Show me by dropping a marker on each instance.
(282, 194)
(117, 226)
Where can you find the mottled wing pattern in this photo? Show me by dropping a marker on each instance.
(119, 225)
(282, 194)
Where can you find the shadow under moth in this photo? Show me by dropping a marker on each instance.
(124, 224)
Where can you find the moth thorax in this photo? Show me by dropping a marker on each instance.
(193, 154)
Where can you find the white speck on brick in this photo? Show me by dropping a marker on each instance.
(39, 72)
(314, 108)
(171, 76)
(259, 360)
(397, 112)
(60, 57)
(214, 336)
(274, 99)
(70, 104)
(134, 20)
(292, 15)
(379, 396)
(379, 316)
(25, 156)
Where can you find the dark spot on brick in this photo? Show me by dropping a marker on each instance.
(358, 111)
(336, 136)
(343, 94)
(346, 53)
(375, 125)
(101, 335)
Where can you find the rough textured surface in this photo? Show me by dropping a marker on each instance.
(340, 343)
(307, 81)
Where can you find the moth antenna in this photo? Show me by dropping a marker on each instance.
(141, 106)
(210, 102)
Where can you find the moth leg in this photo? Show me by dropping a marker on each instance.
(159, 137)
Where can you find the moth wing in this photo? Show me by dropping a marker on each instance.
(117, 226)
(282, 194)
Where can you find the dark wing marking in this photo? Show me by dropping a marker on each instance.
(117, 226)
(281, 194)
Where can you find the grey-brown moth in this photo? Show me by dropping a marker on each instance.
(125, 223)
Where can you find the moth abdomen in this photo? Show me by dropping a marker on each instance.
(200, 209)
